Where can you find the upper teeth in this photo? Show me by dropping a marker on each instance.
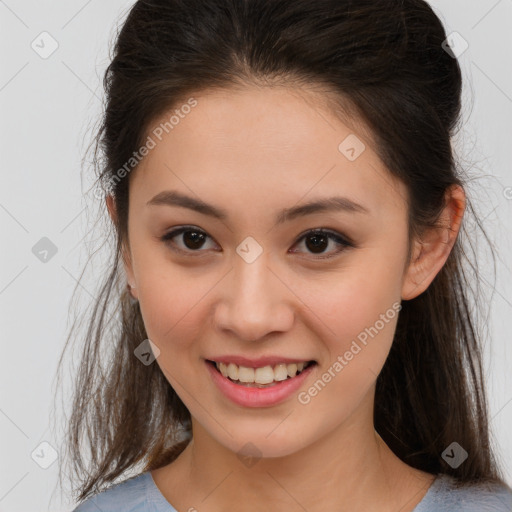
(264, 375)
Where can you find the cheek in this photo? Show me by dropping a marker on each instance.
(173, 315)
(355, 314)
(171, 301)
(349, 303)
(357, 331)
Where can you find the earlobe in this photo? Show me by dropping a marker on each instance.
(111, 206)
(129, 272)
(132, 291)
(431, 252)
(421, 272)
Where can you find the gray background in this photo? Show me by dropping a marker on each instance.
(48, 110)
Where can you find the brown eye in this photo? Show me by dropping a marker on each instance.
(192, 240)
(317, 241)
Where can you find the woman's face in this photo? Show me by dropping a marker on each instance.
(247, 283)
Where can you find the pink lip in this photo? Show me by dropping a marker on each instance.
(258, 397)
(259, 362)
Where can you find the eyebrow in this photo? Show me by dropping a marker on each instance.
(337, 203)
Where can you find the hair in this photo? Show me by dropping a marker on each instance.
(381, 60)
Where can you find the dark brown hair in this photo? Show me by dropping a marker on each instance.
(384, 61)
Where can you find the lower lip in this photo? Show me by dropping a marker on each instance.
(258, 397)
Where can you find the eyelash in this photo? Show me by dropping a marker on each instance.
(343, 241)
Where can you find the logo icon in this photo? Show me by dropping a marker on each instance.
(44, 45)
(351, 147)
(455, 45)
(454, 455)
(147, 352)
(249, 250)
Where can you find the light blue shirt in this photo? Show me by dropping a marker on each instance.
(140, 494)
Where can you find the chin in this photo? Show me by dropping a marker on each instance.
(259, 444)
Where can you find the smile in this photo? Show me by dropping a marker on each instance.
(276, 388)
(266, 375)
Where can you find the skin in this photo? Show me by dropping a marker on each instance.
(253, 152)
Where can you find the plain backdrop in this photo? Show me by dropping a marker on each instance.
(49, 107)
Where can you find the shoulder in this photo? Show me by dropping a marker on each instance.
(448, 495)
(127, 496)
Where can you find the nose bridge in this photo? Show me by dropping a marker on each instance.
(256, 301)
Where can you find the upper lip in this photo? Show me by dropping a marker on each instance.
(258, 362)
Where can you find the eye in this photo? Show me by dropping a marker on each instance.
(193, 240)
(316, 240)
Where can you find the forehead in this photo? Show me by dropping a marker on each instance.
(264, 145)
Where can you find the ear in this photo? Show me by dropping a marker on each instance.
(112, 210)
(430, 253)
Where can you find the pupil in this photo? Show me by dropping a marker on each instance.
(316, 245)
(196, 239)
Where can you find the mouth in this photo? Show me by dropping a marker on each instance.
(264, 377)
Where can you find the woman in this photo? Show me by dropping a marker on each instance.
(296, 329)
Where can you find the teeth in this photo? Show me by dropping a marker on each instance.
(223, 369)
(245, 374)
(291, 369)
(280, 372)
(265, 375)
(232, 370)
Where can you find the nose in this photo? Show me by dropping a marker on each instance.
(255, 302)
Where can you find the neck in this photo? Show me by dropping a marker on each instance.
(351, 467)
